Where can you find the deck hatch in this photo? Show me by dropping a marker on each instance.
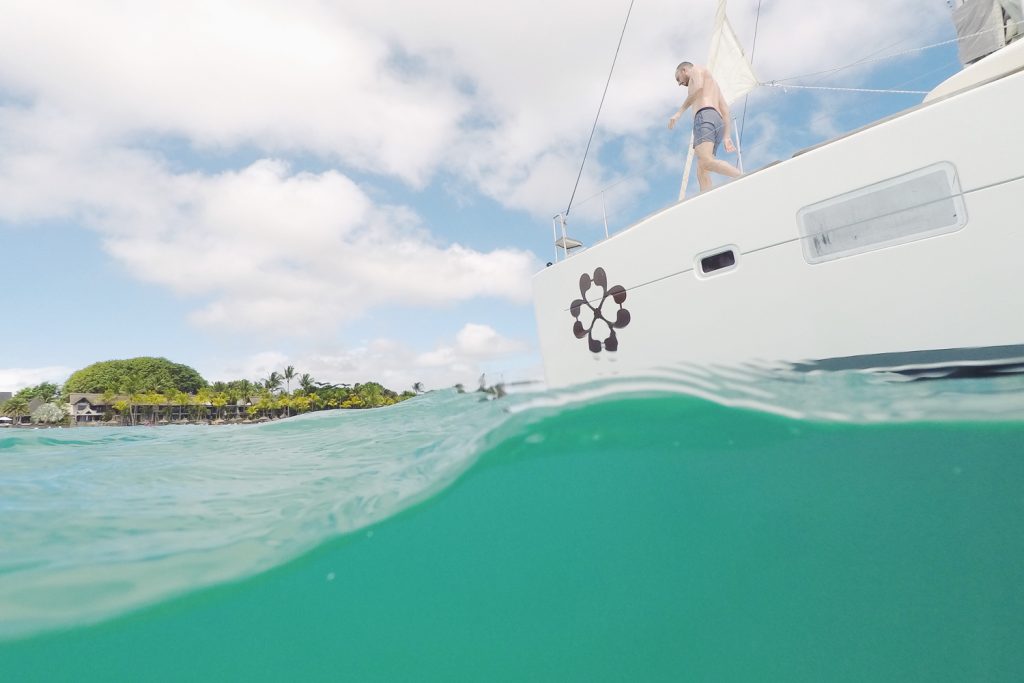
(914, 206)
(718, 261)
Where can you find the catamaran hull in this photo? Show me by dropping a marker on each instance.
(900, 246)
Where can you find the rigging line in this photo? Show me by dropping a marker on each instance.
(757, 145)
(779, 83)
(776, 84)
(894, 55)
(862, 60)
(643, 173)
(599, 106)
(753, 50)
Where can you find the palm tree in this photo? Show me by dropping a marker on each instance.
(289, 375)
(131, 388)
(48, 392)
(175, 399)
(15, 408)
(273, 382)
(122, 407)
(218, 401)
(247, 388)
(153, 400)
(315, 401)
(307, 383)
(234, 397)
(203, 403)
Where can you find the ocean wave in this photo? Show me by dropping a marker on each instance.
(101, 521)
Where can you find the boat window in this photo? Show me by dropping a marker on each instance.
(920, 204)
(718, 260)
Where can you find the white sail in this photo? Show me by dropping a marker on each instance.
(728, 64)
(731, 69)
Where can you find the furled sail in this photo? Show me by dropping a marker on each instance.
(731, 69)
(726, 60)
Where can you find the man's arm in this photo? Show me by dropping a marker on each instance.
(695, 87)
(723, 109)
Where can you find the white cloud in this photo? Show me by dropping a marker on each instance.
(13, 379)
(297, 75)
(501, 93)
(500, 97)
(483, 341)
(539, 69)
(267, 247)
(257, 366)
(476, 349)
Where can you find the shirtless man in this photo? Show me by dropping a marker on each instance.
(711, 123)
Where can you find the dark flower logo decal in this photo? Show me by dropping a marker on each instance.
(596, 314)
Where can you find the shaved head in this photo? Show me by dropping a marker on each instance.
(683, 73)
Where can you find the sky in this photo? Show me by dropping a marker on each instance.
(364, 190)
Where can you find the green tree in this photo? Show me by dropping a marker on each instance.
(15, 408)
(49, 413)
(154, 401)
(284, 402)
(289, 375)
(315, 402)
(131, 388)
(264, 404)
(202, 402)
(373, 395)
(151, 373)
(122, 407)
(301, 403)
(48, 391)
(246, 388)
(219, 400)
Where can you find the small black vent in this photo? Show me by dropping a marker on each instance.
(719, 261)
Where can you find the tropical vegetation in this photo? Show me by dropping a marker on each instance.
(51, 410)
(141, 374)
(155, 390)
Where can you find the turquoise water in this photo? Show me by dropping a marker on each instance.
(706, 527)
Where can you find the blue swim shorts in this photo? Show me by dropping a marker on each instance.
(708, 127)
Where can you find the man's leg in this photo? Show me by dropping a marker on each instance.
(703, 177)
(706, 158)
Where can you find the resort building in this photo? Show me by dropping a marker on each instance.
(85, 408)
(95, 408)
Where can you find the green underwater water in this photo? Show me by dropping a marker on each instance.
(646, 538)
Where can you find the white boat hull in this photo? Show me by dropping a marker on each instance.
(936, 299)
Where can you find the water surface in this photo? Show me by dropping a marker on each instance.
(701, 526)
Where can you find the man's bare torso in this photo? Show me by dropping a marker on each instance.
(709, 95)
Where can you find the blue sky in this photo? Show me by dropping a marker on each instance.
(363, 192)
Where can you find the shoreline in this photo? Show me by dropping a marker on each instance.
(179, 423)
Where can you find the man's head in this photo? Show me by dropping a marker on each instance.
(683, 73)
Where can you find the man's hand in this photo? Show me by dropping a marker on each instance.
(729, 147)
(672, 122)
